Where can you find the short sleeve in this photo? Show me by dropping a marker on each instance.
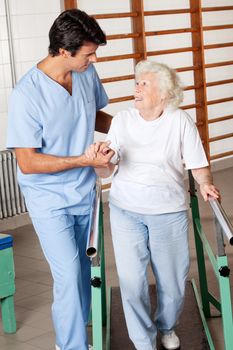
(192, 149)
(24, 127)
(112, 136)
(100, 93)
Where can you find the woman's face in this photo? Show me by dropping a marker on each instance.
(147, 93)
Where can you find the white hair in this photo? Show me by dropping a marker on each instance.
(169, 82)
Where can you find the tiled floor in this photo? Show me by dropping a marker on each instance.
(33, 282)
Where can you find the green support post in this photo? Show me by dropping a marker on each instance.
(102, 266)
(98, 290)
(97, 317)
(225, 297)
(199, 249)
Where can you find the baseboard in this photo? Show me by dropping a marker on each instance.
(14, 222)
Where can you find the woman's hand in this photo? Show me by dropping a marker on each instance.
(209, 190)
(101, 147)
(204, 178)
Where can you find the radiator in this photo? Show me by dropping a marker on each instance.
(11, 198)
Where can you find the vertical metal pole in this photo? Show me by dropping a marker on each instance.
(199, 249)
(10, 39)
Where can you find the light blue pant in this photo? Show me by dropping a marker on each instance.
(161, 240)
(63, 240)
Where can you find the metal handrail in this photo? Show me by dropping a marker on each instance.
(222, 219)
(93, 236)
(11, 46)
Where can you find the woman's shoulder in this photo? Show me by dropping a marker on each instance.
(125, 115)
(180, 114)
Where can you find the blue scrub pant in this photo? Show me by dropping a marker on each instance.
(63, 240)
(161, 240)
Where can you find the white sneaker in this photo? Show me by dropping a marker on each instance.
(170, 341)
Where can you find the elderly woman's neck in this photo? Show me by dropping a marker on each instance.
(151, 114)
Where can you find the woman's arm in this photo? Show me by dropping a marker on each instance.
(204, 178)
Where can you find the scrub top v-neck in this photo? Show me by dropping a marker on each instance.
(44, 115)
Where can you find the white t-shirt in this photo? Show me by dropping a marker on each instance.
(150, 176)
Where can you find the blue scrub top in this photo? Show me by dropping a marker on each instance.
(43, 115)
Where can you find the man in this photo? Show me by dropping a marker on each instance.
(52, 116)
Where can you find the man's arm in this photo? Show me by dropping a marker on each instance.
(32, 162)
(103, 122)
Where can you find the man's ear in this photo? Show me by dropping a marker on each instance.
(64, 53)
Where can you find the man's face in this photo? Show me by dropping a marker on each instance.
(83, 57)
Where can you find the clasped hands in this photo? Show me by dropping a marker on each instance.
(100, 154)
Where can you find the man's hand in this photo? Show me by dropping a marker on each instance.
(98, 147)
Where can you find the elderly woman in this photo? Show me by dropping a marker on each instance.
(148, 211)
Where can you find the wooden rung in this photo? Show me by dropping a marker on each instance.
(121, 99)
(119, 57)
(171, 31)
(122, 36)
(115, 15)
(120, 78)
(219, 64)
(221, 100)
(167, 12)
(195, 105)
(220, 119)
(221, 155)
(166, 52)
(220, 82)
(186, 69)
(221, 137)
(192, 87)
(217, 46)
(219, 8)
(223, 26)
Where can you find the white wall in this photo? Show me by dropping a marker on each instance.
(31, 20)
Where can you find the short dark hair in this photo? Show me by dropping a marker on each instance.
(71, 29)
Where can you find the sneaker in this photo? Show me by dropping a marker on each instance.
(57, 347)
(170, 341)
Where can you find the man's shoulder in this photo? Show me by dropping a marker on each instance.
(27, 82)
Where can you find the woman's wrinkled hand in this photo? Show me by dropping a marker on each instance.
(97, 147)
(209, 190)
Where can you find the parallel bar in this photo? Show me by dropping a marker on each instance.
(93, 237)
(222, 219)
